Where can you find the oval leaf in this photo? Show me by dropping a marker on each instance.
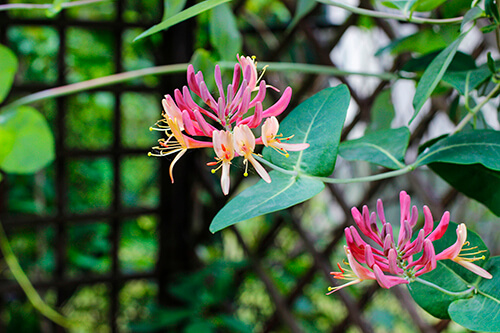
(471, 147)
(447, 275)
(8, 68)
(480, 312)
(33, 144)
(433, 74)
(182, 16)
(386, 148)
(284, 191)
(317, 121)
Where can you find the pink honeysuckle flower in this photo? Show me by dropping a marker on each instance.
(359, 273)
(270, 138)
(455, 253)
(177, 143)
(393, 263)
(223, 146)
(237, 109)
(244, 142)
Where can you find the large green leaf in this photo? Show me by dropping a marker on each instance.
(458, 79)
(8, 68)
(433, 74)
(31, 144)
(447, 275)
(317, 121)
(426, 5)
(284, 191)
(182, 16)
(471, 147)
(386, 148)
(224, 34)
(481, 311)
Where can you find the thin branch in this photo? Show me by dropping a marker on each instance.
(374, 13)
(48, 5)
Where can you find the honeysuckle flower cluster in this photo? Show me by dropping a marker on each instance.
(226, 123)
(390, 260)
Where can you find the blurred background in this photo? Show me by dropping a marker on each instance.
(107, 239)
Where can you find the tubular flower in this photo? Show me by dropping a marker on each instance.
(392, 262)
(270, 138)
(223, 146)
(237, 108)
(244, 141)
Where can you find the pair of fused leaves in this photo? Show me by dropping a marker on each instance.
(476, 310)
(26, 142)
(317, 121)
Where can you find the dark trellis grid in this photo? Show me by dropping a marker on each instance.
(178, 234)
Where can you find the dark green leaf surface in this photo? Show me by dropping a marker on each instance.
(426, 5)
(475, 181)
(447, 275)
(182, 16)
(458, 79)
(304, 7)
(433, 74)
(471, 15)
(8, 68)
(386, 148)
(284, 191)
(31, 144)
(224, 34)
(482, 311)
(317, 121)
(471, 147)
(382, 112)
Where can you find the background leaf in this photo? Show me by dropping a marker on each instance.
(304, 7)
(8, 68)
(433, 75)
(32, 141)
(284, 191)
(382, 112)
(386, 148)
(182, 16)
(317, 121)
(224, 34)
(457, 79)
(172, 7)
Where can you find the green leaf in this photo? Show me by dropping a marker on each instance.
(8, 68)
(480, 312)
(172, 7)
(491, 9)
(31, 141)
(426, 5)
(224, 34)
(317, 121)
(284, 191)
(403, 5)
(447, 275)
(471, 147)
(472, 14)
(382, 112)
(55, 8)
(475, 181)
(433, 74)
(182, 16)
(304, 7)
(458, 79)
(386, 148)
(460, 62)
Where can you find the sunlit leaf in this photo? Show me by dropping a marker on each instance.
(433, 75)
(318, 121)
(8, 68)
(284, 191)
(172, 7)
(32, 143)
(386, 148)
(182, 16)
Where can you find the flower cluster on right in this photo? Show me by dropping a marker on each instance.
(391, 262)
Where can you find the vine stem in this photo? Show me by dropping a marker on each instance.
(27, 287)
(374, 13)
(478, 107)
(372, 178)
(48, 5)
(445, 291)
